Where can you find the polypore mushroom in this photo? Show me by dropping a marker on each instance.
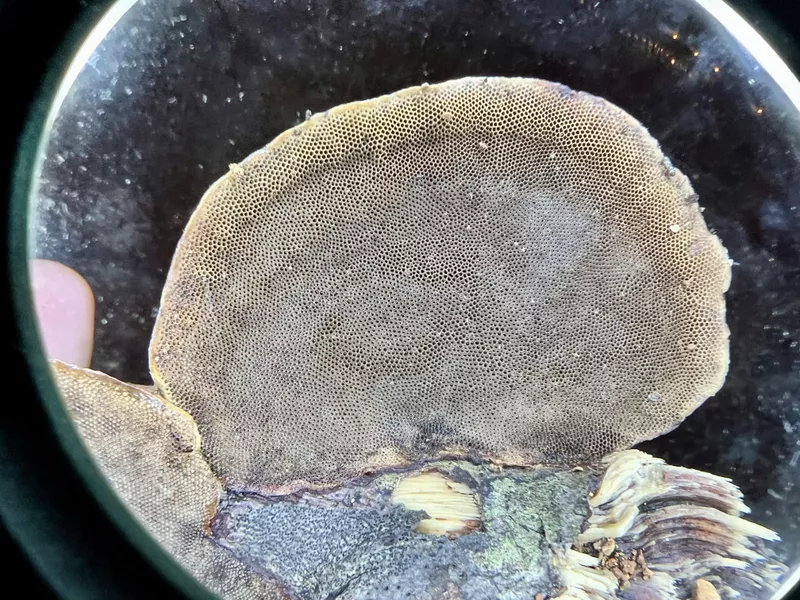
(383, 283)
(395, 300)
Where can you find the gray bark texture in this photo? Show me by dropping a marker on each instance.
(355, 542)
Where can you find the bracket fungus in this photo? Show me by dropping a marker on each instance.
(406, 347)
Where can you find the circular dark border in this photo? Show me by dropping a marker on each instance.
(76, 543)
(54, 502)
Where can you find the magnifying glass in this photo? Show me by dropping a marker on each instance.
(159, 100)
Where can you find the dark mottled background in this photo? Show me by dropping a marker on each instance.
(181, 88)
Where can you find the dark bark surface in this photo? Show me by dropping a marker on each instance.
(355, 542)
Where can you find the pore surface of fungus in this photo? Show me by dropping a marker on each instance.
(497, 266)
(149, 453)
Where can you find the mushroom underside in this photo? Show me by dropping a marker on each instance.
(498, 266)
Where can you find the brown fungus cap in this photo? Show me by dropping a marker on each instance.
(489, 265)
(149, 452)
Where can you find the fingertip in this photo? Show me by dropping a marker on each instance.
(64, 305)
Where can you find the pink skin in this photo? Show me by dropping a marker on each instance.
(64, 305)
